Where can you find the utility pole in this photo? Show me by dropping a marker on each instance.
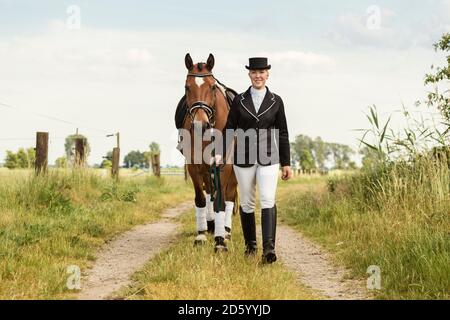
(115, 157)
(156, 167)
(80, 150)
(41, 152)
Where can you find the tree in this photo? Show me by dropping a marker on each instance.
(306, 160)
(106, 164)
(300, 144)
(321, 152)
(11, 160)
(314, 153)
(371, 157)
(154, 148)
(107, 160)
(134, 158)
(341, 155)
(69, 146)
(24, 158)
(148, 158)
(109, 155)
(61, 162)
(440, 99)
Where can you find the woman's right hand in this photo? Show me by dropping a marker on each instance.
(217, 158)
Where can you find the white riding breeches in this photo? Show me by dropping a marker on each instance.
(266, 177)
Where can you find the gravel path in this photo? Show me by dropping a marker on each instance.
(123, 256)
(128, 253)
(314, 268)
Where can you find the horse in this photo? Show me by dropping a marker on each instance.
(207, 108)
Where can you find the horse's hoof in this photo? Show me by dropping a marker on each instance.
(220, 246)
(200, 239)
(227, 233)
(211, 226)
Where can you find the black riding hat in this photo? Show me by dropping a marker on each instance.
(257, 63)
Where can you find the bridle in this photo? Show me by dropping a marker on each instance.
(209, 110)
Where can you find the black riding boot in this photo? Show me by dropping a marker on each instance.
(269, 227)
(249, 231)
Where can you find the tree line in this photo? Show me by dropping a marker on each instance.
(313, 153)
(25, 158)
(306, 153)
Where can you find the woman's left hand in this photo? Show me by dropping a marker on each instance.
(286, 173)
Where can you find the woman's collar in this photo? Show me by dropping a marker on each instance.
(258, 91)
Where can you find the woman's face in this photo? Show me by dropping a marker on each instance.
(258, 78)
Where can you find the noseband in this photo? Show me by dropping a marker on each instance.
(210, 112)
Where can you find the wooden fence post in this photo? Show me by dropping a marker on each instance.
(41, 152)
(80, 152)
(115, 163)
(156, 165)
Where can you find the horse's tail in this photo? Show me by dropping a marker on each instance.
(236, 203)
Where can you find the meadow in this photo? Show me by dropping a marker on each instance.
(50, 222)
(395, 216)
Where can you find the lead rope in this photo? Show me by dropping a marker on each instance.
(214, 178)
(214, 173)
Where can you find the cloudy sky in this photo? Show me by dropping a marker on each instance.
(120, 66)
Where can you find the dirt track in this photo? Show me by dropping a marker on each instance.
(128, 253)
(314, 268)
(123, 256)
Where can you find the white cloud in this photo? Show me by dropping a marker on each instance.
(299, 60)
(369, 29)
(131, 81)
(353, 30)
(137, 56)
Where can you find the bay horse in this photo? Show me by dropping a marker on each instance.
(207, 109)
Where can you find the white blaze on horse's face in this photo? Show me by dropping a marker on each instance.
(199, 81)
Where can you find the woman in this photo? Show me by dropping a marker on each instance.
(258, 115)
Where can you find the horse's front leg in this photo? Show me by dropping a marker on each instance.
(200, 204)
(209, 204)
(224, 210)
(230, 194)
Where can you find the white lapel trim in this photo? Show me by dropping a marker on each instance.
(273, 99)
(242, 99)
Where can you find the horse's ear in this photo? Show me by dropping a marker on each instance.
(188, 61)
(210, 62)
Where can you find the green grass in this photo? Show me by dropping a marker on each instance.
(50, 222)
(187, 272)
(396, 217)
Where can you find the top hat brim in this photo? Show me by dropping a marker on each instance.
(259, 68)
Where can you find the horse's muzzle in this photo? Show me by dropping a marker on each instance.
(203, 125)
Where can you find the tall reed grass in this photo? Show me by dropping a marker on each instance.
(395, 215)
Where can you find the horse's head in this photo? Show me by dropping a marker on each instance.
(201, 92)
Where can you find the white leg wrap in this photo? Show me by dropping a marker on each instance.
(229, 205)
(210, 208)
(200, 214)
(219, 230)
